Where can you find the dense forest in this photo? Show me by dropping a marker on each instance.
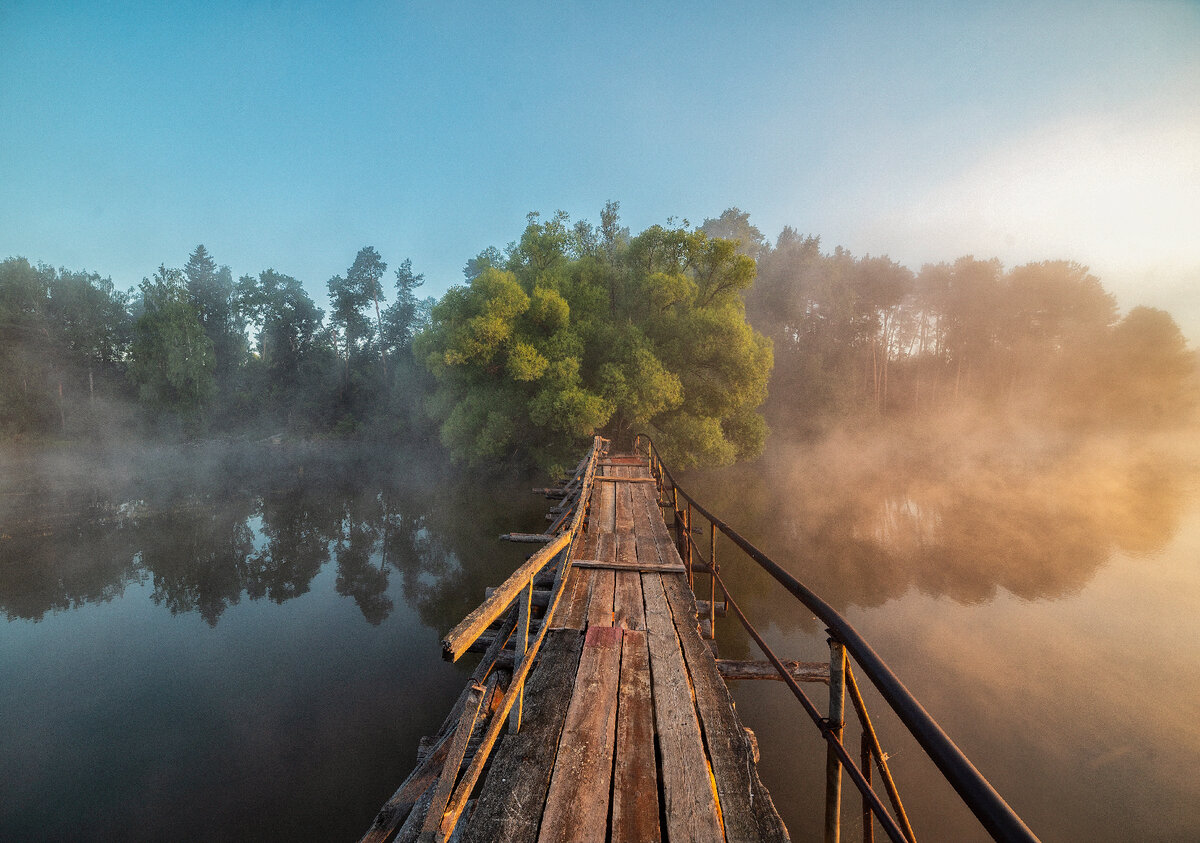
(692, 334)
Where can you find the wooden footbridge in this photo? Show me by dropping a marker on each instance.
(599, 710)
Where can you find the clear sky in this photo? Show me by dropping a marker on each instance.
(289, 135)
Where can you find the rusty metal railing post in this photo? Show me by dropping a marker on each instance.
(712, 581)
(836, 722)
(864, 760)
(520, 644)
(675, 516)
(687, 544)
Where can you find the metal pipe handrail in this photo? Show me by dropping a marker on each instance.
(989, 807)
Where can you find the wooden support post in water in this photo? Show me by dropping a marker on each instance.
(836, 718)
(521, 633)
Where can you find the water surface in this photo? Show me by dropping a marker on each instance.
(239, 642)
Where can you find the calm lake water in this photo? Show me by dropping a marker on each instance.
(242, 643)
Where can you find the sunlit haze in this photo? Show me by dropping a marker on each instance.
(289, 137)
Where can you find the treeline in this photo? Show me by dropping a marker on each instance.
(193, 351)
(577, 328)
(867, 337)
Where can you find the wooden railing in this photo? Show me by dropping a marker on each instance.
(450, 799)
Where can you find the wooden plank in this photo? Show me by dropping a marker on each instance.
(572, 612)
(746, 808)
(635, 817)
(577, 803)
(600, 605)
(514, 792)
(528, 538)
(731, 669)
(401, 805)
(639, 567)
(454, 759)
(623, 521)
(606, 512)
(609, 478)
(628, 610)
(690, 802)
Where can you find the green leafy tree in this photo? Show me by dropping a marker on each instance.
(294, 358)
(212, 292)
(586, 331)
(171, 356)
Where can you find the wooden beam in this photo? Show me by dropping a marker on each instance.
(637, 567)
(529, 538)
(731, 670)
(472, 626)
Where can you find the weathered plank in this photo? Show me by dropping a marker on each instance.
(577, 802)
(635, 817)
(600, 604)
(690, 802)
(573, 608)
(454, 759)
(731, 670)
(401, 805)
(528, 538)
(628, 610)
(604, 499)
(608, 478)
(623, 522)
(636, 567)
(746, 808)
(472, 626)
(511, 799)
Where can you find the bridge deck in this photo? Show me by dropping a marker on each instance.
(628, 731)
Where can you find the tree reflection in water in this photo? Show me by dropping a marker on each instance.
(204, 530)
(863, 519)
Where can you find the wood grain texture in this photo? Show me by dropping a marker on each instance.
(577, 803)
(746, 808)
(513, 794)
(573, 607)
(600, 604)
(628, 610)
(690, 802)
(454, 759)
(635, 816)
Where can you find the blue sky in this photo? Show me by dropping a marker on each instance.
(288, 135)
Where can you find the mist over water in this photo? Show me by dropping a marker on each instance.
(231, 641)
(240, 641)
(1036, 593)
